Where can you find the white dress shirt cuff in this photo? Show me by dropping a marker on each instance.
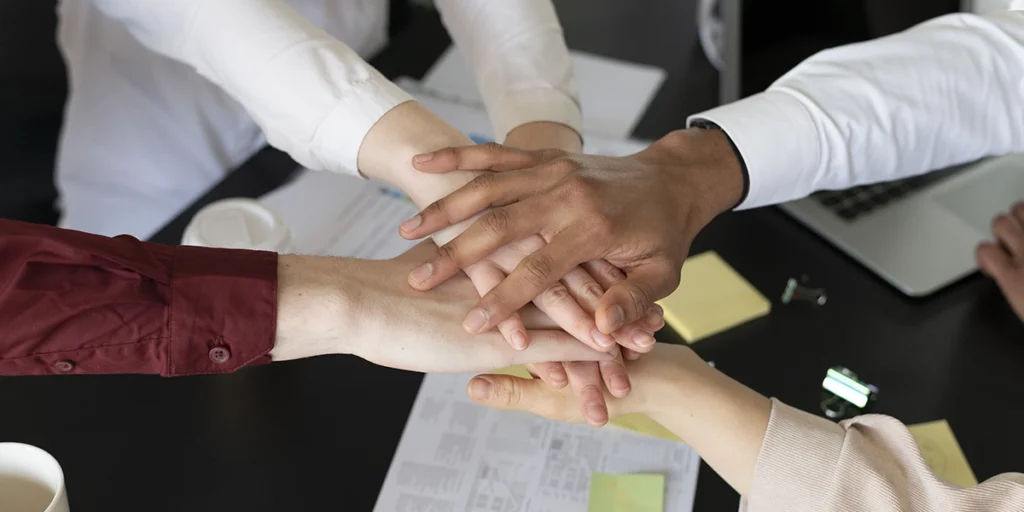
(335, 146)
(533, 105)
(778, 141)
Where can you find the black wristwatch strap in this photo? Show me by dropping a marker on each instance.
(704, 124)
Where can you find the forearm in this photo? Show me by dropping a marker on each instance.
(942, 93)
(312, 95)
(520, 60)
(78, 303)
(705, 408)
(404, 132)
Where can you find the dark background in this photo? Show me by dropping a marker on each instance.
(319, 433)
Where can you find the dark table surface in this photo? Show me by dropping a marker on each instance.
(319, 434)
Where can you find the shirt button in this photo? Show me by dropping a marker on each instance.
(64, 366)
(220, 354)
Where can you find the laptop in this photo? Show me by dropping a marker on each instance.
(919, 234)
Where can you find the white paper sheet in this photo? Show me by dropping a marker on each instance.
(457, 456)
(614, 94)
(335, 215)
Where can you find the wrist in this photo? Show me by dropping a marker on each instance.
(657, 379)
(316, 313)
(406, 131)
(704, 166)
(544, 135)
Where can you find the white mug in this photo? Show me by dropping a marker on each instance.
(31, 480)
(239, 224)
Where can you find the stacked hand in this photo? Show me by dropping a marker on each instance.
(638, 213)
(366, 308)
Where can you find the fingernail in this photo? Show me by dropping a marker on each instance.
(475, 320)
(642, 339)
(654, 320)
(596, 413)
(411, 224)
(616, 316)
(421, 273)
(519, 340)
(660, 310)
(480, 389)
(620, 383)
(423, 157)
(602, 339)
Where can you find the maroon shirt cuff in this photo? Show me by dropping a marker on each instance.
(223, 310)
(76, 303)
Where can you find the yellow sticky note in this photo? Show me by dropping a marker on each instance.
(711, 298)
(942, 452)
(626, 493)
(515, 371)
(643, 424)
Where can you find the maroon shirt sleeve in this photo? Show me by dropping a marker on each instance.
(75, 303)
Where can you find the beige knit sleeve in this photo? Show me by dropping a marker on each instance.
(868, 463)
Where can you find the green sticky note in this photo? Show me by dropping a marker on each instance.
(626, 493)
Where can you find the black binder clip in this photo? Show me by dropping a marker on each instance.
(844, 395)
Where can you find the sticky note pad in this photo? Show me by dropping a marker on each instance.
(643, 424)
(626, 493)
(711, 298)
(942, 452)
(515, 371)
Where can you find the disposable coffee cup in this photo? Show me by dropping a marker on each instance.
(239, 224)
(31, 480)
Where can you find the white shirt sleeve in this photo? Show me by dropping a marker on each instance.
(520, 60)
(945, 92)
(310, 93)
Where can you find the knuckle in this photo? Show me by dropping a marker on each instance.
(556, 294)
(591, 291)
(537, 268)
(1001, 223)
(448, 252)
(640, 299)
(549, 154)
(495, 223)
(580, 192)
(564, 165)
(610, 273)
(491, 148)
(509, 393)
(600, 225)
(483, 182)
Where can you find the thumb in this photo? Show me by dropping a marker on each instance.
(629, 300)
(514, 393)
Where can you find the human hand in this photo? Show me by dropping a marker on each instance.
(366, 308)
(386, 153)
(584, 285)
(1003, 259)
(653, 376)
(640, 213)
(675, 388)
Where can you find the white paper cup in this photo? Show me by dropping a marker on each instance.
(239, 224)
(31, 480)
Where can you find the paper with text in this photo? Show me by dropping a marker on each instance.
(458, 456)
(336, 215)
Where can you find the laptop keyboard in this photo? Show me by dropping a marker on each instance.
(852, 203)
